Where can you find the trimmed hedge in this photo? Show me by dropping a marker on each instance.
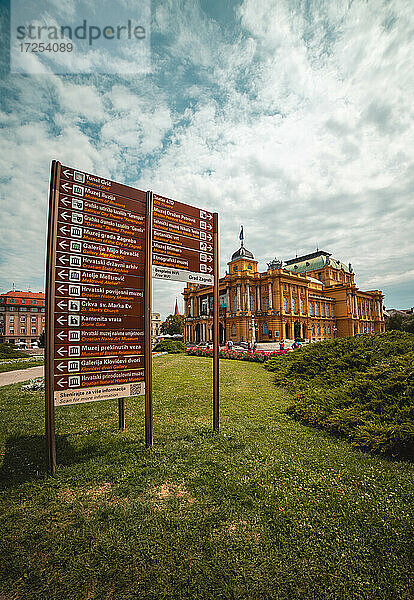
(360, 388)
(9, 351)
(170, 346)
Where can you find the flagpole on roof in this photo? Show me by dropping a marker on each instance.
(241, 236)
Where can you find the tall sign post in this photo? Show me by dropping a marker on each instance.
(148, 324)
(95, 346)
(49, 346)
(216, 349)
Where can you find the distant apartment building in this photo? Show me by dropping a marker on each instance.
(22, 317)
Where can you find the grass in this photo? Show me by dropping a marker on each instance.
(269, 508)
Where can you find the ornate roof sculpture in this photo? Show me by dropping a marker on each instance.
(242, 252)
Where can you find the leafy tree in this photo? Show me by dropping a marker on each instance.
(394, 322)
(173, 325)
(42, 340)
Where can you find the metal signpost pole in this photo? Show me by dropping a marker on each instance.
(148, 321)
(216, 420)
(121, 413)
(50, 325)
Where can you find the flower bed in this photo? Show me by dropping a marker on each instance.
(258, 356)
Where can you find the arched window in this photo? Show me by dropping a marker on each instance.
(266, 304)
(235, 304)
(302, 306)
(294, 304)
(285, 304)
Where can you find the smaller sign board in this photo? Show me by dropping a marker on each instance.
(182, 243)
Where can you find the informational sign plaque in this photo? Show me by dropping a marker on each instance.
(182, 243)
(96, 297)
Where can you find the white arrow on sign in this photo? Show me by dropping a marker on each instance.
(63, 259)
(209, 226)
(63, 274)
(66, 201)
(63, 244)
(209, 216)
(61, 382)
(209, 237)
(67, 173)
(61, 366)
(61, 351)
(209, 259)
(64, 230)
(65, 216)
(66, 187)
(62, 304)
(209, 269)
(61, 289)
(61, 320)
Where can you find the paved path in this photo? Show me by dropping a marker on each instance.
(20, 375)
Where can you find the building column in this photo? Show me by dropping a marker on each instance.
(192, 306)
(238, 297)
(269, 285)
(258, 304)
(228, 307)
(248, 307)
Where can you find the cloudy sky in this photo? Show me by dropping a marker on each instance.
(291, 117)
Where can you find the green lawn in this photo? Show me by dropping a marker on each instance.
(267, 509)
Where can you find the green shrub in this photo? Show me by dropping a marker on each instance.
(170, 346)
(360, 388)
(9, 351)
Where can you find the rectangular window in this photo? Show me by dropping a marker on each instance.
(33, 330)
(33, 319)
(302, 306)
(285, 304)
(23, 319)
(11, 330)
(316, 309)
(23, 301)
(264, 327)
(22, 329)
(311, 309)
(11, 318)
(33, 310)
(34, 302)
(266, 304)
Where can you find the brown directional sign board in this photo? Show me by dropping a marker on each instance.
(182, 242)
(97, 288)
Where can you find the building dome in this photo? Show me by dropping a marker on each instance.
(242, 252)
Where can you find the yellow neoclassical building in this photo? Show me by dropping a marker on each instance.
(311, 297)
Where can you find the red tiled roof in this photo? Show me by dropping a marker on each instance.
(11, 294)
